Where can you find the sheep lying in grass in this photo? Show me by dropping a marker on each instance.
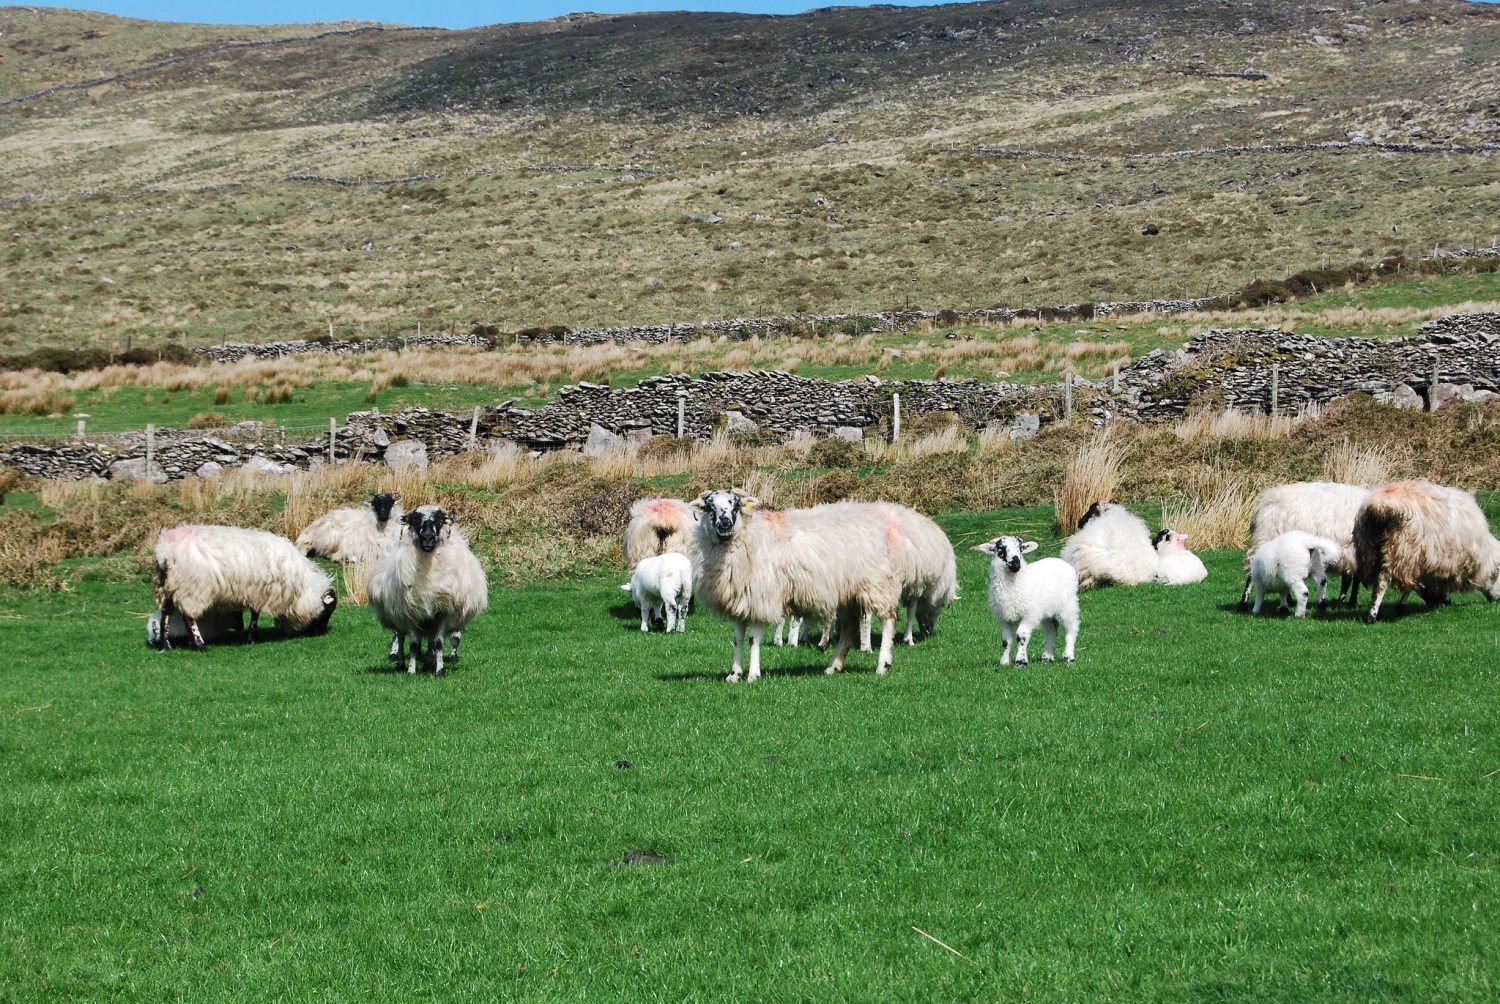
(1427, 537)
(427, 587)
(657, 526)
(662, 584)
(216, 568)
(1023, 596)
(354, 535)
(830, 561)
(1282, 565)
(1112, 547)
(1176, 565)
(1321, 508)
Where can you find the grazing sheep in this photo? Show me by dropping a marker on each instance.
(1427, 537)
(1023, 596)
(213, 568)
(662, 583)
(1112, 547)
(924, 559)
(1321, 508)
(830, 561)
(428, 587)
(1177, 566)
(354, 535)
(657, 526)
(1283, 564)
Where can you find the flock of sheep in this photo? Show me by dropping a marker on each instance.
(843, 564)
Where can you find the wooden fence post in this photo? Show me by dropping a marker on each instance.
(333, 431)
(895, 418)
(681, 412)
(474, 429)
(1432, 401)
(1068, 397)
(80, 430)
(1275, 388)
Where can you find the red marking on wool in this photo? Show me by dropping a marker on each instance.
(775, 517)
(661, 507)
(893, 535)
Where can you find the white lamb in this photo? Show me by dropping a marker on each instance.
(212, 626)
(1112, 547)
(1177, 566)
(428, 587)
(1321, 508)
(1282, 565)
(657, 526)
(204, 569)
(662, 585)
(1023, 596)
(758, 567)
(354, 535)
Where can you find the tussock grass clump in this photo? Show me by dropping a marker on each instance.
(1359, 465)
(35, 401)
(1218, 518)
(1093, 475)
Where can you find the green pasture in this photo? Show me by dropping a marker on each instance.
(1205, 806)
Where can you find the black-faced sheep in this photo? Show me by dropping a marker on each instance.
(1431, 538)
(1023, 596)
(427, 587)
(212, 568)
(830, 561)
(354, 535)
(1112, 547)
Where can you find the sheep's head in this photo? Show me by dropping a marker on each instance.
(1007, 550)
(320, 622)
(721, 510)
(382, 503)
(1094, 512)
(1168, 540)
(428, 525)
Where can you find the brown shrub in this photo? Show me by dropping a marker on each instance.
(836, 453)
(207, 420)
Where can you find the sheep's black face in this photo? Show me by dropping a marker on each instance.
(722, 510)
(1093, 513)
(382, 504)
(426, 525)
(1161, 535)
(1008, 551)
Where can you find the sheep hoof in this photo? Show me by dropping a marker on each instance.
(440, 672)
(732, 678)
(882, 670)
(1069, 660)
(1369, 618)
(831, 670)
(1023, 662)
(1047, 658)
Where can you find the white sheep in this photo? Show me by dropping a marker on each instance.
(830, 561)
(1283, 564)
(1427, 537)
(354, 535)
(657, 526)
(212, 568)
(428, 587)
(1321, 508)
(1023, 596)
(1112, 547)
(1177, 566)
(662, 583)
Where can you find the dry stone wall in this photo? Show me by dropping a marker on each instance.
(1233, 367)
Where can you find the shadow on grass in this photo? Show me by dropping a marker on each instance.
(808, 669)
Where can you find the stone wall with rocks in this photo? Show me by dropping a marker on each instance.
(1228, 367)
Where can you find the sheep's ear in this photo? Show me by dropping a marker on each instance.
(748, 502)
(626, 587)
(1027, 546)
(453, 518)
(698, 504)
(988, 547)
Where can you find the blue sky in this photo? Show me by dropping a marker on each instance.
(452, 14)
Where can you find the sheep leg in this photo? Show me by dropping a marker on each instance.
(197, 636)
(887, 642)
(454, 638)
(254, 625)
(1381, 585)
(671, 614)
(864, 631)
(398, 653)
(757, 631)
(1070, 633)
(739, 651)
(1321, 578)
(413, 650)
(911, 620)
(776, 638)
(1023, 638)
(436, 644)
(682, 613)
(645, 618)
(794, 632)
(1049, 639)
(848, 618)
(165, 641)
(1008, 632)
(1245, 599)
(1299, 589)
(827, 638)
(1260, 594)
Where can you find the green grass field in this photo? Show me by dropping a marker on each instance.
(1205, 807)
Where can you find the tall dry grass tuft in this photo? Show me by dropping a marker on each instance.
(1092, 475)
(1359, 465)
(356, 575)
(1219, 519)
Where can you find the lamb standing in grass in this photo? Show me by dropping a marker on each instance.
(1284, 564)
(662, 582)
(657, 526)
(1427, 537)
(1177, 566)
(428, 587)
(1112, 547)
(1023, 596)
(828, 561)
(1321, 508)
(354, 535)
(203, 569)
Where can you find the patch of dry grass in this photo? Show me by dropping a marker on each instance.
(1092, 475)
